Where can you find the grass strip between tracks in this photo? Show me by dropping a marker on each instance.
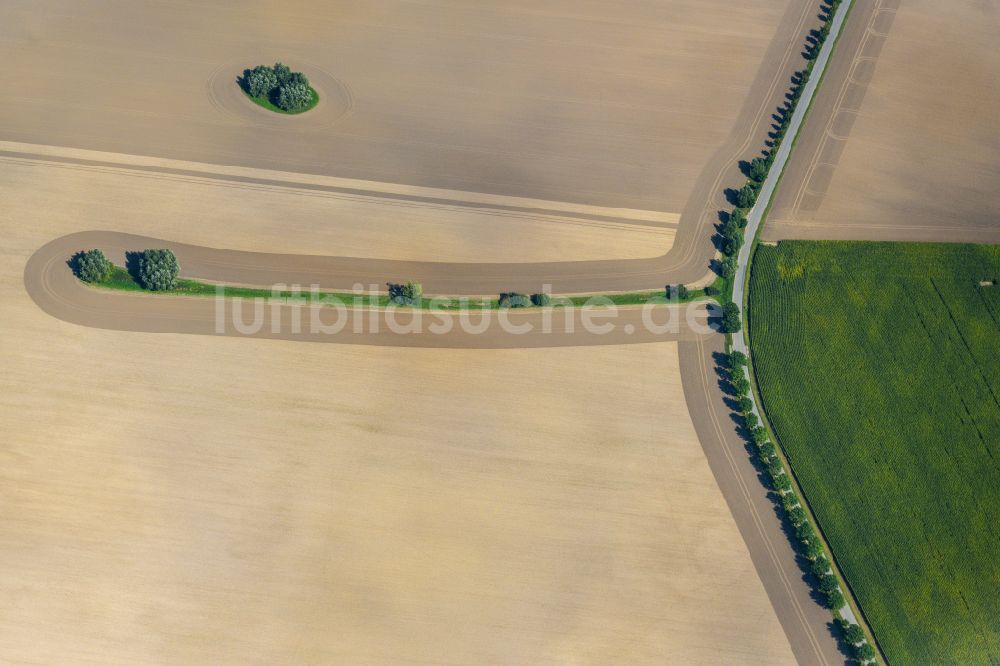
(122, 280)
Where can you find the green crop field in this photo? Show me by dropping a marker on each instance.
(879, 368)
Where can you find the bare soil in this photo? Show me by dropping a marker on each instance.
(902, 141)
(618, 104)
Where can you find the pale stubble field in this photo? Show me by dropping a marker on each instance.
(198, 499)
(168, 498)
(172, 498)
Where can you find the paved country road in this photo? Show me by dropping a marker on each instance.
(757, 215)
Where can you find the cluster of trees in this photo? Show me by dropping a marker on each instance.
(411, 293)
(155, 270)
(855, 637)
(288, 90)
(809, 541)
(541, 300)
(731, 321)
(92, 266)
(678, 291)
(158, 270)
(513, 299)
(408, 293)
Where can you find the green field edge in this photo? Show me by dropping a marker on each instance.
(264, 102)
(122, 280)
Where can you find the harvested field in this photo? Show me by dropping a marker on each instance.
(616, 104)
(901, 143)
(193, 499)
(360, 505)
(878, 369)
(292, 218)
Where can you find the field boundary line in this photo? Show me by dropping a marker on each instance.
(43, 153)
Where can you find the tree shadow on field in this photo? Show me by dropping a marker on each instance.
(74, 263)
(132, 264)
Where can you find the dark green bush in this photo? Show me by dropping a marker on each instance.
(712, 291)
(768, 451)
(740, 384)
(678, 291)
(158, 270)
(738, 217)
(812, 548)
(781, 483)
(541, 300)
(727, 267)
(92, 266)
(513, 299)
(853, 633)
(259, 81)
(409, 293)
(293, 96)
(863, 652)
(737, 359)
(282, 72)
(746, 196)
(758, 169)
(774, 467)
(731, 322)
(297, 77)
(731, 243)
(805, 532)
(835, 600)
(732, 236)
(797, 515)
(820, 566)
(828, 584)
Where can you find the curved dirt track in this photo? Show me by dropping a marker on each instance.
(54, 288)
(806, 622)
(688, 260)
